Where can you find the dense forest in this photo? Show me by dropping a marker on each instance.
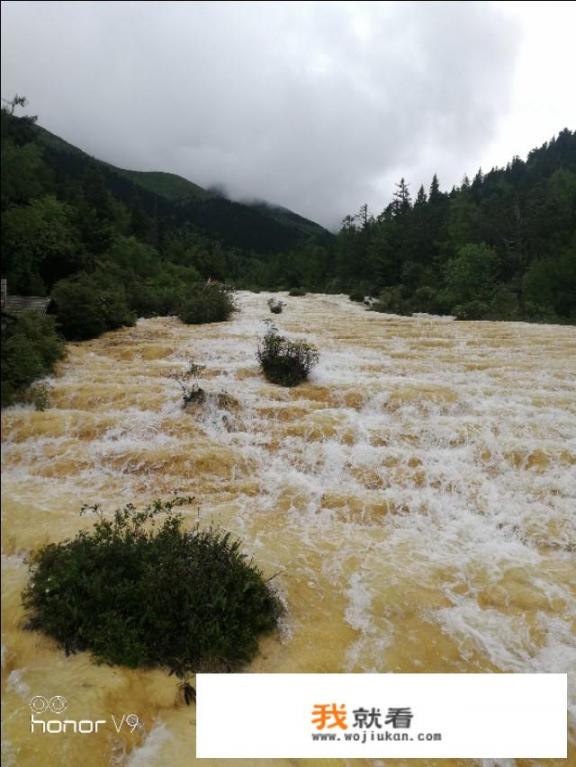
(65, 213)
(502, 246)
(108, 245)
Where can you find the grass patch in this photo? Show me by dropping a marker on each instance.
(139, 590)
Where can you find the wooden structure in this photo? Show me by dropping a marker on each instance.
(15, 305)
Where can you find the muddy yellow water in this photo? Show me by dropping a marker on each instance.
(416, 498)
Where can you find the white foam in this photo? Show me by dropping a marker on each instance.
(17, 684)
(143, 755)
(453, 420)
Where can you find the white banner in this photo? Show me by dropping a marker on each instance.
(381, 715)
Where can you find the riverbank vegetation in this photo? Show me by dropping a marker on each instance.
(140, 590)
(207, 303)
(30, 349)
(500, 246)
(109, 245)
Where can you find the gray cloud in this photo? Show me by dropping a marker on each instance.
(316, 106)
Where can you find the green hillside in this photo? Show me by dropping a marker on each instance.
(500, 246)
(167, 185)
(288, 218)
(108, 245)
(255, 226)
(51, 141)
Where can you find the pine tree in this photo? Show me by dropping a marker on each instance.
(402, 202)
(478, 180)
(421, 198)
(434, 195)
(362, 216)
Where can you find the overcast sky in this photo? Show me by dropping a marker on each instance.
(316, 106)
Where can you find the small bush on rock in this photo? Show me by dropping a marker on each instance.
(138, 592)
(286, 362)
(193, 395)
(187, 380)
(275, 305)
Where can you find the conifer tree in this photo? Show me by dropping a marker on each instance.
(402, 202)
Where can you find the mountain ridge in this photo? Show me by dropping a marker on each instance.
(260, 225)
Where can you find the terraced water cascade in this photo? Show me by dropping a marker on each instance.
(416, 497)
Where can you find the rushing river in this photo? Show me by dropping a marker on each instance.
(417, 499)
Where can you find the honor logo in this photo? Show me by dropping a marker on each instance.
(57, 705)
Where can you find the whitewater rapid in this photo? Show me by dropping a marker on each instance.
(416, 501)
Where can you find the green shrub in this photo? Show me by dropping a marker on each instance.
(391, 301)
(538, 313)
(471, 275)
(139, 592)
(473, 310)
(39, 395)
(426, 299)
(207, 303)
(357, 296)
(549, 286)
(30, 348)
(504, 304)
(187, 380)
(285, 362)
(162, 293)
(297, 292)
(275, 305)
(89, 305)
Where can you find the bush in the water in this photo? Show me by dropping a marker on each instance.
(38, 395)
(187, 380)
(286, 362)
(275, 305)
(297, 292)
(357, 296)
(193, 395)
(207, 303)
(139, 592)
